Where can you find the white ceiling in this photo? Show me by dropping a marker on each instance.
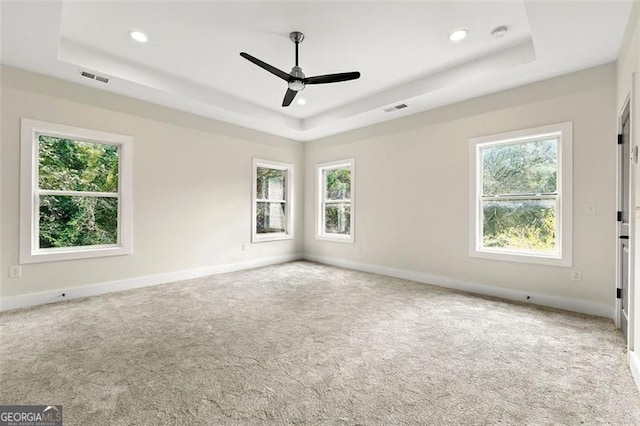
(402, 50)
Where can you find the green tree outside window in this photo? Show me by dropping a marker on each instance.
(78, 193)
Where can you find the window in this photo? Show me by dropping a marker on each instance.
(520, 203)
(335, 200)
(272, 201)
(75, 193)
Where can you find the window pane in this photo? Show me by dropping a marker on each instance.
(338, 183)
(337, 218)
(520, 224)
(68, 221)
(270, 217)
(521, 168)
(66, 164)
(270, 183)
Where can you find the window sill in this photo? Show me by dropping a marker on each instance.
(549, 260)
(337, 238)
(263, 238)
(52, 255)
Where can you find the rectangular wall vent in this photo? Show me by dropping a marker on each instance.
(93, 76)
(396, 107)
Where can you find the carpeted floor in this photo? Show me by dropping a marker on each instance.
(308, 344)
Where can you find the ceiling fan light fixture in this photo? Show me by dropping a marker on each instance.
(138, 36)
(459, 34)
(296, 85)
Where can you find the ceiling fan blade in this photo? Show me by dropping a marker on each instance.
(332, 78)
(273, 70)
(288, 97)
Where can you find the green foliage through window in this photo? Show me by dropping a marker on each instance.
(67, 221)
(67, 170)
(521, 168)
(271, 213)
(71, 165)
(528, 225)
(337, 219)
(338, 183)
(337, 209)
(519, 196)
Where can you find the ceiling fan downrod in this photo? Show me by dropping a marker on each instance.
(297, 83)
(296, 37)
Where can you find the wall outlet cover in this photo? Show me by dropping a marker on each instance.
(15, 271)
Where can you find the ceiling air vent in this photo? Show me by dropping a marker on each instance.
(396, 107)
(93, 76)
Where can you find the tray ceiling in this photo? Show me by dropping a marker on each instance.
(191, 61)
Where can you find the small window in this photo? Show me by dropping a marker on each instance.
(335, 200)
(521, 195)
(75, 192)
(272, 201)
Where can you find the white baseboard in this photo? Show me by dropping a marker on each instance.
(634, 364)
(582, 306)
(32, 299)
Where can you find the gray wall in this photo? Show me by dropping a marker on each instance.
(192, 193)
(412, 187)
(192, 184)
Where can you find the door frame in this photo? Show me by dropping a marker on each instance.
(626, 106)
(634, 140)
(633, 236)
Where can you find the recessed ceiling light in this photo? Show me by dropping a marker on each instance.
(302, 101)
(138, 36)
(458, 35)
(499, 32)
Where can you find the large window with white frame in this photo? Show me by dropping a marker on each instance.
(272, 201)
(76, 199)
(521, 195)
(336, 200)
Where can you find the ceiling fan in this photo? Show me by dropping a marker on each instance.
(296, 78)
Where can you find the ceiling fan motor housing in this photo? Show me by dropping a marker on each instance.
(297, 83)
(296, 36)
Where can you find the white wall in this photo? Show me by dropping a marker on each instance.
(412, 187)
(192, 184)
(628, 57)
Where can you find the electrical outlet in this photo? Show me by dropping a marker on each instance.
(244, 247)
(576, 275)
(15, 271)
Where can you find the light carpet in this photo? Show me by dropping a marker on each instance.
(303, 343)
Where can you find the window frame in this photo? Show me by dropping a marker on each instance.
(289, 202)
(564, 204)
(30, 251)
(320, 198)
